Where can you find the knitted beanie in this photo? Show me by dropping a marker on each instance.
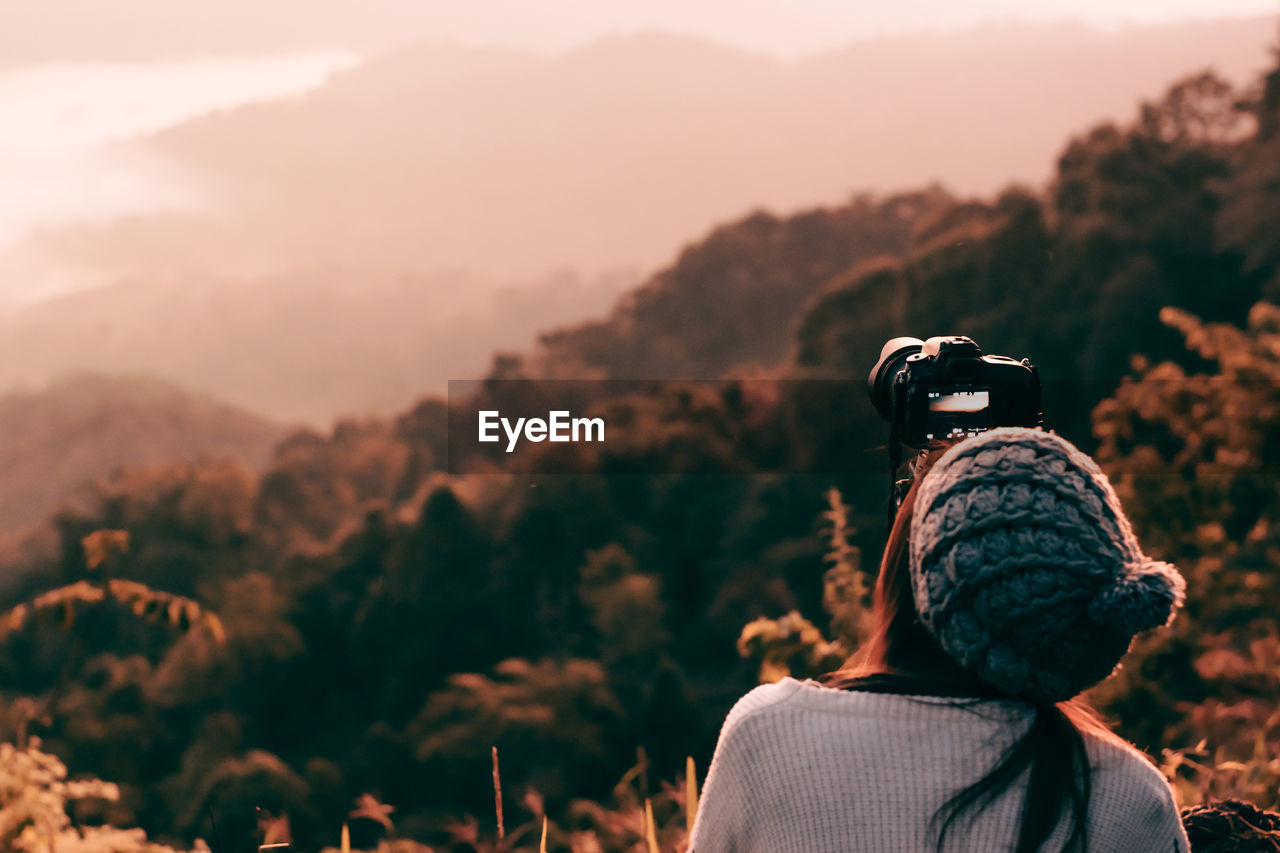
(1025, 569)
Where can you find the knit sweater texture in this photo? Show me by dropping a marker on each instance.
(804, 768)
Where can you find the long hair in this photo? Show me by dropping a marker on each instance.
(1052, 749)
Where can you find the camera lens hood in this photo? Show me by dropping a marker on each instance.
(880, 381)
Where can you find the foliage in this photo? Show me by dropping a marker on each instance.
(792, 645)
(34, 797)
(1252, 203)
(1231, 826)
(846, 595)
(1194, 458)
(84, 427)
(101, 546)
(545, 717)
(1200, 108)
(732, 299)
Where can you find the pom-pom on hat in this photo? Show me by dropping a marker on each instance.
(1025, 569)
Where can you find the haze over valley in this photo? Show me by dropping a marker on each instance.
(511, 163)
(386, 227)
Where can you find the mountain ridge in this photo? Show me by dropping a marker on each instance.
(56, 440)
(512, 163)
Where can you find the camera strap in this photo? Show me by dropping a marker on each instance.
(895, 462)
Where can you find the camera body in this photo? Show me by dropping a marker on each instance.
(944, 387)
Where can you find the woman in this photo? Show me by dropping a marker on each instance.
(1010, 583)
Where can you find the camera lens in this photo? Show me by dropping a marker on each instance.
(880, 381)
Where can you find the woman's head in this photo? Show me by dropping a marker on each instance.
(1025, 569)
(1011, 553)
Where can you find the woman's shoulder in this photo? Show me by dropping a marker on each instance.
(1128, 789)
(784, 702)
(1122, 765)
(761, 699)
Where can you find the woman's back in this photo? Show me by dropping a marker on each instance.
(806, 768)
(1010, 573)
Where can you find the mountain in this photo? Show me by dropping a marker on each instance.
(511, 163)
(56, 440)
(733, 299)
(304, 346)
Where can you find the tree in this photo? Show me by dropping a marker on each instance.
(1195, 460)
(1248, 220)
(1200, 109)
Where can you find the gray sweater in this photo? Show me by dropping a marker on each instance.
(804, 768)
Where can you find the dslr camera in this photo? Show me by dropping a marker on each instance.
(945, 388)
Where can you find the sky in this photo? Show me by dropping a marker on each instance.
(788, 27)
(56, 160)
(89, 30)
(102, 73)
(58, 117)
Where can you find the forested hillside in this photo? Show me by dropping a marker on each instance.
(388, 623)
(733, 299)
(56, 441)
(303, 347)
